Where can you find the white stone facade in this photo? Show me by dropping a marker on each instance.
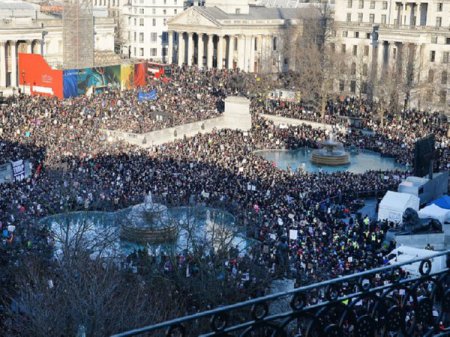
(232, 35)
(413, 38)
(145, 31)
(29, 31)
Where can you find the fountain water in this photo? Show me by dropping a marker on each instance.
(148, 223)
(332, 153)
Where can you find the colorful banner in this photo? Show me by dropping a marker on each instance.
(139, 75)
(42, 79)
(148, 96)
(70, 81)
(126, 76)
(91, 78)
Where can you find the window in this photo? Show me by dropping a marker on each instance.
(256, 44)
(353, 86)
(153, 51)
(357, 34)
(343, 48)
(164, 22)
(365, 69)
(444, 77)
(238, 11)
(344, 33)
(361, 4)
(134, 39)
(438, 21)
(164, 12)
(141, 22)
(174, 2)
(154, 22)
(372, 5)
(153, 37)
(349, 17)
(430, 76)
(135, 21)
(353, 69)
(432, 56)
(141, 37)
(445, 57)
(341, 85)
(364, 87)
(141, 10)
(371, 18)
(165, 37)
(385, 5)
(360, 17)
(349, 3)
(368, 36)
(434, 39)
(141, 52)
(440, 5)
(447, 40)
(355, 50)
(443, 96)
(154, 11)
(429, 95)
(274, 43)
(366, 50)
(383, 19)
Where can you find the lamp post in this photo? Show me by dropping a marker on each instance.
(23, 82)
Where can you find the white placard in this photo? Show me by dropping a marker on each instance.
(293, 234)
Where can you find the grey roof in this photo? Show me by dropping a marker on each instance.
(257, 13)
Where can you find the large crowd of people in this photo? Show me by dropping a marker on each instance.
(76, 167)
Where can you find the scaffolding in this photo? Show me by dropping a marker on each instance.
(78, 34)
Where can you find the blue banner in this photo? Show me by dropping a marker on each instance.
(70, 83)
(147, 96)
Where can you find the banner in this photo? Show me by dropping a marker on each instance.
(70, 81)
(126, 76)
(139, 75)
(18, 170)
(39, 76)
(147, 96)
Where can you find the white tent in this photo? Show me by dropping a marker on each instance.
(394, 204)
(406, 253)
(435, 212)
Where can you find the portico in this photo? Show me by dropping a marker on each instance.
(213, 38)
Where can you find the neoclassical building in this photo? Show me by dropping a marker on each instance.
(232, 34)
(25, 29)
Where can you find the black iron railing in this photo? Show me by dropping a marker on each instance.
(405, 299)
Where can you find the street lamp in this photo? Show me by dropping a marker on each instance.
(23, 82)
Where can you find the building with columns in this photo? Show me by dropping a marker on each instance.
(413, 40)
(25, 29)
(232, 34)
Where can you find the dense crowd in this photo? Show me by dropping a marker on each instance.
(76, 167)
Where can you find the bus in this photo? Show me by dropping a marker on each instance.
(158, 70)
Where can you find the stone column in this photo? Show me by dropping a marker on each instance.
(190, 48)
(170, 47)
(252, 53)
(230, 51)
(2, 64)
(29, 46)
(210, 51)
(13, 47)
(201, 50)
(241, 52)
(220, 52)
(181, 49)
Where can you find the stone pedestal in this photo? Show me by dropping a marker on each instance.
(237, 113)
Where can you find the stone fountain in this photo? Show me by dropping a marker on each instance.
(148, 223)
(331, 153)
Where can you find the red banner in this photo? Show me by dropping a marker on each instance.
(42, 79)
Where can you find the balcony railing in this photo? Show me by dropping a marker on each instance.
(386, 301)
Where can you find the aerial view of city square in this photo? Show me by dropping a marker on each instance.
(254, 168)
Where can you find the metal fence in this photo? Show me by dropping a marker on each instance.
(385, 301)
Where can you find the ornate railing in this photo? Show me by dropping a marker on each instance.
(405, 299)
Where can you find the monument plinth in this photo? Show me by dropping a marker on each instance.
(331, 153)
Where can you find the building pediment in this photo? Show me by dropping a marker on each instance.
(192, 17)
